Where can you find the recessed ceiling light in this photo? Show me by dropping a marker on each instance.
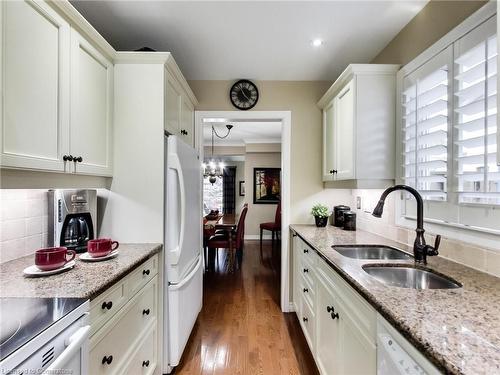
(317, 42)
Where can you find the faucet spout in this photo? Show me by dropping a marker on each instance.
(420, 248)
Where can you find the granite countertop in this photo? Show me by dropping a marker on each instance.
(456, 329)
(85, 280)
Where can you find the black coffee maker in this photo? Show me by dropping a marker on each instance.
(72, 218)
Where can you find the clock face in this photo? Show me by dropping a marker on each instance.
(244, 94)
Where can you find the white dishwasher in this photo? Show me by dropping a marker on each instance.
(395, 355)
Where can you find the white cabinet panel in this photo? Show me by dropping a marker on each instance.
(91, 107)
(35, 86)
(328, 142)
(345, 156)
(187, 121)
(173, 106)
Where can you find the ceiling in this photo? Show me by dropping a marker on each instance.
(262, 40)
(243, 133)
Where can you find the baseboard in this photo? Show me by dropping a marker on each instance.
(257, 237)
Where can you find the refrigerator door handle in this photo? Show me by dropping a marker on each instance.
(187, 278)
(175, 164)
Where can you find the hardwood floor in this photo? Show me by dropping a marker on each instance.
(241, 329)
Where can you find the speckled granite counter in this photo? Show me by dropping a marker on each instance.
(85, 280)
(456, 329)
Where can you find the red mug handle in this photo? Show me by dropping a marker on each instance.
(72, 252)
(114, 243)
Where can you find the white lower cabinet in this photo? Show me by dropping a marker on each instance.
(124, 324)
(340, 327)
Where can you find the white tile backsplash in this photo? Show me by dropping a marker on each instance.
(23, 222)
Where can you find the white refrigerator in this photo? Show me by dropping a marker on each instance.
(183, 247)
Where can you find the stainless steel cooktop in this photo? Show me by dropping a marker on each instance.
(21, 319)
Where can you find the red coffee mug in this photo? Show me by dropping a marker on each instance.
(101, 247)
(52, 258)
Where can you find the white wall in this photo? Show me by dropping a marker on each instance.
(258, 213)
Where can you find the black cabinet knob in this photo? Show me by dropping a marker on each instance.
(330, 309)
(107, 305)
(333, 171)
(145, 363)
(67, 157)
(306, 270)
(334, 315)
(145, 312)
(306, 251)
(305, 290)
(78, 159)
(304, 319)
(145, 272)
(107, 359)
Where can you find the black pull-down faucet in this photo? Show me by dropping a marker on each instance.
(420, 249)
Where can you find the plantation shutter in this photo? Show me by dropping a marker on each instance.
(477, 173)
(425, 118)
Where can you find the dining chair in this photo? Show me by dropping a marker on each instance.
(274, 227)
(221, 240)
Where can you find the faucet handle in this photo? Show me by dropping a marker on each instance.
(433, 250)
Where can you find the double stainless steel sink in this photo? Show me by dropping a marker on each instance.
(397, 274)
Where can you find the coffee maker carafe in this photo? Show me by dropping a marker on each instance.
(72, 218)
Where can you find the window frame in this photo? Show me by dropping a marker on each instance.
(488, 236)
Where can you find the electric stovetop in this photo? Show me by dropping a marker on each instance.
(21, 319)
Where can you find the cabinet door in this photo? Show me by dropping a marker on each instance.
(91, 108)
(35, 86)
(328, 142)
(328, 355)
(187, 121)
(344, 133)
(173, 106)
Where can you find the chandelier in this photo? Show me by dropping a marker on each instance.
(214, 169)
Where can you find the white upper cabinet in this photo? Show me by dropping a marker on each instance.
(344, 132)
(57, 94)
(35, 86)
(359, 127)
(179, 106)
(91, 108)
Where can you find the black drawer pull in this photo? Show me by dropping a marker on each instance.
(305, 290)
(107, 305)
(306, 251)
(107, 360)
(335, 315)
(145, 272)
(305, 320)
(306, 270)
(330, 309)
(145, 312)
(145, 363)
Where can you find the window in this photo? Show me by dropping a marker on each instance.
(448, 113)
(212, 195)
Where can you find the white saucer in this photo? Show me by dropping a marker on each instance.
(34, 271)
(87, 258)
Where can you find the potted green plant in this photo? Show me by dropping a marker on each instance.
(321, 214)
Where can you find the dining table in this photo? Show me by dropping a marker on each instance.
(226, 222)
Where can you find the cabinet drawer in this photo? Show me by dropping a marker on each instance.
(144, 360)
(141, 276)
(307, 292)
(307, 271)
(307, 321)
(119, 336)
(307, 252)
(106, 305)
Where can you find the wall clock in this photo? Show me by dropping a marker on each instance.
(244, 94)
